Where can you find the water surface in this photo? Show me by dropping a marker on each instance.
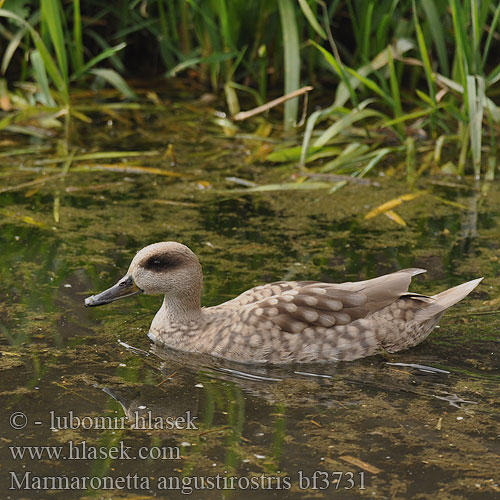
(422, 424)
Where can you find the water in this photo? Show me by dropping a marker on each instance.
(422, 424)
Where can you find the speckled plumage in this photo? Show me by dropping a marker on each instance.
(287, 321)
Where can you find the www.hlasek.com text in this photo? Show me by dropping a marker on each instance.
(84, 451)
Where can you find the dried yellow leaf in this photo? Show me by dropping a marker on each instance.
(395, 217)
(388, 205)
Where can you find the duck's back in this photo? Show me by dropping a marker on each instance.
(306, 321)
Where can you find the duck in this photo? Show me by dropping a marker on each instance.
(285, 321)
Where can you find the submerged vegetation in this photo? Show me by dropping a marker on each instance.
(396, 82)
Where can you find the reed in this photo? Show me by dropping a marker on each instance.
(57, 58)
(387, 69)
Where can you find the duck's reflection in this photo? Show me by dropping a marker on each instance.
(188, 378)
(199, 383)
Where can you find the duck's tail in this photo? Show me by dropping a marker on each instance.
(446, 299)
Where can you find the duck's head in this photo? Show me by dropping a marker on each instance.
(167, 268)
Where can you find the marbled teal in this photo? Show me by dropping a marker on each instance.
(282, 322)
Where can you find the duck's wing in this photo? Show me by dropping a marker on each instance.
(261, 292)
(293, 306)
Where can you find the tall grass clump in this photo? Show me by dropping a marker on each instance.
(243, 46)
(51, 39)
(235, 45)
(425, 78)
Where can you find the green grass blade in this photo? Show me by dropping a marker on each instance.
(234, 65)
(11, 48)
(352, 153)
(292, 59)
(339, 69)
(397, 109)
(342, 124)
(233, 103)
(51, 16)
(411, 167)
(493, 153)
(164, 37)
(103, 44)
(355, 23)
(5, 122)
(41, 77)
(475, 59)
(371, 85)
(215, 57)
(16, 40)
(492, 31)
(114, 79)
(424, 97)
(475, 100)
(452, 84)
(436, 26)
(250, 90)
(460, 39)
(225, 25)
(382, 31)
(292, 154)
(413, 116)
(134, 28)
(184, 28)
(367, 30)
(310, 124)
(187, 63)
(311, 18)
(77, 36)
(103, 55)
(464, 148)
(425, 56)
(375, 160)
(494, 75)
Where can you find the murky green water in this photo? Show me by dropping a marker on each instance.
(365, 429)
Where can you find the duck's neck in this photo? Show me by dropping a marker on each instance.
(181, 308)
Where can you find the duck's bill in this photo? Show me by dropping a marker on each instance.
(124, 288)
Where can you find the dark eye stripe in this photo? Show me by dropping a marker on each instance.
(161, 262)
(157, 264)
